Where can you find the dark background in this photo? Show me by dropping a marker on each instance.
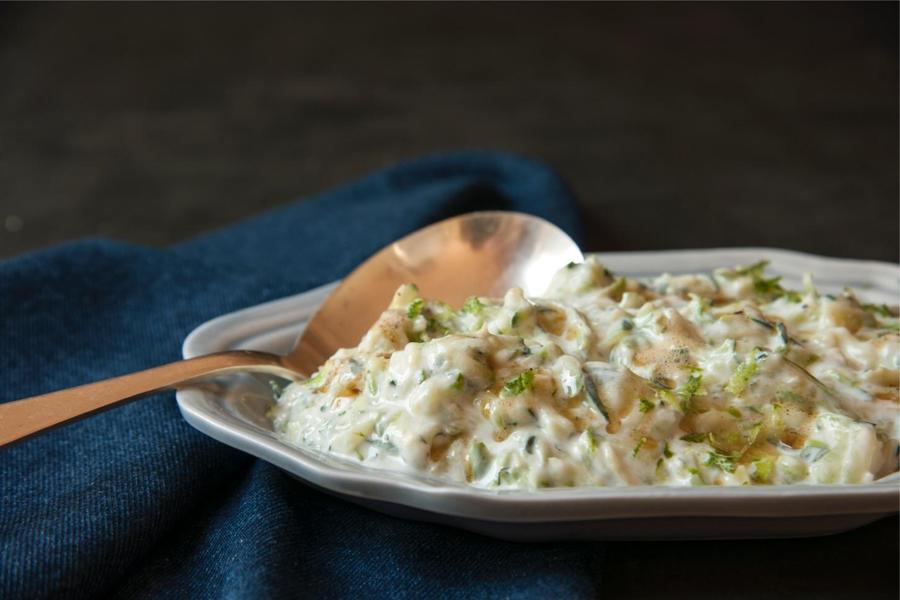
(677, 126)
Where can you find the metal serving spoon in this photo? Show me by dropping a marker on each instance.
(477, 254)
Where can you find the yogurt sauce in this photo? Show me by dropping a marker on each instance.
(709, 379)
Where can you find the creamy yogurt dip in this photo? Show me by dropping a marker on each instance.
(709, 379)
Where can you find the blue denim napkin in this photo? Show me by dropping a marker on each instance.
(133, 502)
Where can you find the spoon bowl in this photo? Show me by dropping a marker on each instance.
(476, 254)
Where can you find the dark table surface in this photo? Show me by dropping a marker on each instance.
(678, 126)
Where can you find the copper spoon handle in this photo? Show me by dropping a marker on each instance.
(22, 418)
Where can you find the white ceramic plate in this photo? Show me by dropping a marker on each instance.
(234, 412)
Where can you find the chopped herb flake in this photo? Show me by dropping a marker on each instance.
(639, 445)
(687, 390)
(591, 440)
(459, 383)
(762, 468)
(878, 309)
(645, 405)
(415, 308)
(742, 376)
(756, 269)
(525, 381)
(722, 461)
(318, 377)
(472, 306)
(768, 286)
